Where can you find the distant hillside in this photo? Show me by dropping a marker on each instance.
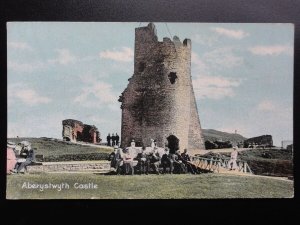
(215, 135)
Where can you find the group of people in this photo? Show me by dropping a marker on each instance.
(19, 156)
(112, 140)
(153, 159)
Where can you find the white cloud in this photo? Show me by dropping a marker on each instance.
(223, 57)
(236, 34)
(266, 105)
(205, 40)
(64, 57)
(19, 46)
(95, 94)
(27, 95)
(214, 87)
(124, 55)
(272, 50)
(25, 67)
(267, 117)
(198, 64)
(271, 117)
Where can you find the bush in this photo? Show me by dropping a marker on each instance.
(77, 157)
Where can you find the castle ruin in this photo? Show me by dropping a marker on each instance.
(74, 130)
(159, 101)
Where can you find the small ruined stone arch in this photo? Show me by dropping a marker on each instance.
(172, 77)
(173, 143)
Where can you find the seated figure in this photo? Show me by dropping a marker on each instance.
(191, 168)
(142, 161)
(167, 161)
(178, 162)
(128, 161)
(153, 161)
(116, 159)
(28, 156)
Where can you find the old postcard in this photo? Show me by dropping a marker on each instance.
(117, 110)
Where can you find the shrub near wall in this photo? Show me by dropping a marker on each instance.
(77, 157)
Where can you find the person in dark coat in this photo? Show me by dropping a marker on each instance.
(113, 139)
(178, 162)
(153, 161)
(108, 138)
(116, 159)
(117, 139)
(187, 162)
(142, 161)
(166, 161)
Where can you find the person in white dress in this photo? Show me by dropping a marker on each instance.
(233, 158)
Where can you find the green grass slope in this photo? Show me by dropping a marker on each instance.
(54, 148)
(183, 186)
(270, 162)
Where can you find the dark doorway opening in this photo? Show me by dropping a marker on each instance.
(173, 143)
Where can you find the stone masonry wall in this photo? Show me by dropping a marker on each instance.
(159, 99)
(82, 166)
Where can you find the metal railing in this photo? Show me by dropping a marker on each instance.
(214, 163)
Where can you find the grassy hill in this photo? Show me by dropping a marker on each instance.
(215, 135)
(183, 186)
(268, 162)
(58, 150)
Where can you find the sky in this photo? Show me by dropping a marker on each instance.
(242, 75)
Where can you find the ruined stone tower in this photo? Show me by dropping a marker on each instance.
(159, 101)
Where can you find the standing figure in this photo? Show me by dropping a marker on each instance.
(117, 139)
(132, 144)
(233, 158)
(113, 139)
(152, 144)
(108, 138)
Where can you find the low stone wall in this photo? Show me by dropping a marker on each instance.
(73, 166)
(77, 157)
